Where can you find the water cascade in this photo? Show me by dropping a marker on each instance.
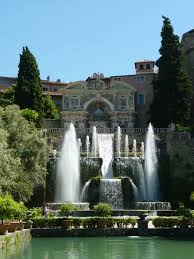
(68, 171)
(87, 146)
(85, 191)
(141, 181)
(135, 191)
(94, 141)
(151, 166)
(106, 152)
(126, 146)
(111, 192)
(118, 144)
(134, 149)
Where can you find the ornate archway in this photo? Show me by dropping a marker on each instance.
(99, 114)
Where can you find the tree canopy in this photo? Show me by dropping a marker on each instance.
(28, 92)
(23, 154)
(172, 88)
(50, 110)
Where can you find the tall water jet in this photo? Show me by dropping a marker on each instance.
(142, 150)
(118, 144)
(111, 192)
(79, 144)
(87, 146)
(126, 146)
(106, 152)
(94, 142)
(151, 166)
(134, 149)
(68, 169)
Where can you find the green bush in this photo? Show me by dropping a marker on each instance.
(103, 210)
(184, 212)
(67, 209)
(20, 211)
(164, 222)
(35, 213)
(10, 209)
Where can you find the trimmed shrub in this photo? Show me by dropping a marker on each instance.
(103, 210)
(68, 208)
(165, 222)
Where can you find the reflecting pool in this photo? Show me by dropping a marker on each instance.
(105, 247)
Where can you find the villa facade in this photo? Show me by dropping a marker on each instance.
(105, 102)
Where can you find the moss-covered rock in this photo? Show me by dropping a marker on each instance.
(89, 167)
(127, 190)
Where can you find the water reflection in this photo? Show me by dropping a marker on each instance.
(100, 248)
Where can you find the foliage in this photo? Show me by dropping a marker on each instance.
(30, 115)
(67, 209)
(10, 209)
(8, 97)
(163, 222)
(88, 222)
(184, 212)
(35, 213)
(172, 88)
(28, 92)
(191, 197)
(23, 154)
(50, 110)
(103, 209)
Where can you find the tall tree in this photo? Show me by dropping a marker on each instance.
(28, 92)
(172, 88)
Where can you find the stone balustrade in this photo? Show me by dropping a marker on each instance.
(109, 130)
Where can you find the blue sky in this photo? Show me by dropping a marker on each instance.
(72, 39)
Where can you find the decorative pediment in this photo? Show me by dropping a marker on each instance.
(120, 85)
(78, 85)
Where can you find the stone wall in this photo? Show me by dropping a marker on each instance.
(11, 242)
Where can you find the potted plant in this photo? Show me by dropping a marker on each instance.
(66, 210)
(77, 222)
(20, 214)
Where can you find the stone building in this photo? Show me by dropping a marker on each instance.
(105, 102)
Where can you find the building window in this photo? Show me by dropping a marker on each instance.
(141, 67)
(140, 78)
(140, 99)
(123, 102)
(148, 67)
(75, 101)
(44, 89)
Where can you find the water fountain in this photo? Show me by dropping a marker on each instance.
(105, 144)
(94, 142)
(142, 175)
(111, 192)
(68, 172)
(118, 144)
(151, 166)
(134, 149)
(142, 149)
(126, 146)
(87, 146)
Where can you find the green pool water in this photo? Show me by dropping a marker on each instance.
(107, 247)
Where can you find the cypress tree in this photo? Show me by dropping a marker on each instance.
(171, 87)
(28, 93)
